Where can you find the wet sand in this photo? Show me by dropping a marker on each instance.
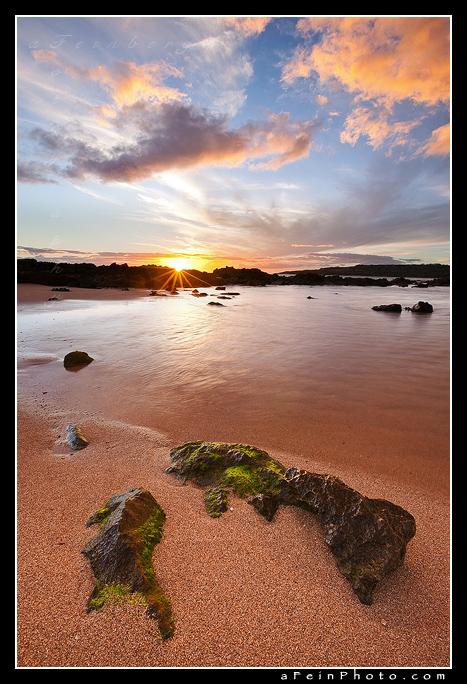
(246, 593)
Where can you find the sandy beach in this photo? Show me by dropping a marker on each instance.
(246, 593)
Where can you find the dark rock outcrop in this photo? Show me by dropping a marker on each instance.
(368, 537)
(422, 307)
(396, 308)
(76, 358)
(75, 437)
(121, 553)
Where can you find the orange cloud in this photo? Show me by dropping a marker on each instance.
(249, 26)
(281, 139)
(439, 144)
(47, 57)
(128, 82)
(387, 58)
(375, 126)
(125, 81)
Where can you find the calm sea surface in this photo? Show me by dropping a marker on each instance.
(270, 366)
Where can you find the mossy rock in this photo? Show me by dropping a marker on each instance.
(76, 358)
(130, 525)
(368, 537)
(244, 470)
(215, 500)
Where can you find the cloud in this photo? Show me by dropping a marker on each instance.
(124, 81)
(323, 259)
(48, 58)
(248, 26)
(388, 58)
(439, 144)
(98, 258)
(128, 82)
(172, 135)
(208, 261)
(382, 60)
(35, 172)
(374, 124)
(152, 127)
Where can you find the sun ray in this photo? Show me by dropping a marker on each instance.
(178, 276)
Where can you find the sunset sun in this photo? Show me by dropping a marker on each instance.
(179, 264)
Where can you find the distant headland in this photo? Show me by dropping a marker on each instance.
(88, 275)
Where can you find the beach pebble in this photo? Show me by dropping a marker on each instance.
(75, 437)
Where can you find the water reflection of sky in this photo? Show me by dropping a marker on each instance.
(271, 345)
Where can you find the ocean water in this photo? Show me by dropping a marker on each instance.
(271, 366)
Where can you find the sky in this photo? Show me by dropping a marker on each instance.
(273, 142)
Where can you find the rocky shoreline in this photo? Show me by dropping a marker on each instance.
(155, 277)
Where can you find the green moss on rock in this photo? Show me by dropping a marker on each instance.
(100, 516)
(117, 594)
(130, 526)
(244, 470)
(215, 500)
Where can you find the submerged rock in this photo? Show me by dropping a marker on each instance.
(76, 358)
(75, 437)
(396, 308)
(422, 307)
(121, 553)
(368, 537)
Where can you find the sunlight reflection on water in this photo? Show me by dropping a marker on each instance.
(268, 349)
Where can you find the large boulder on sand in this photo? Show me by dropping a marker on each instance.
(368, 537)
(121, 553)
